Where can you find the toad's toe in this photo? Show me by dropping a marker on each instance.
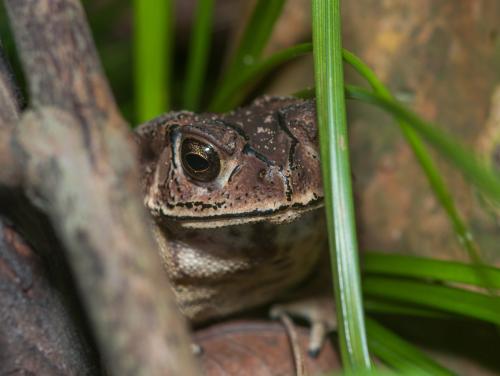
(319, 312)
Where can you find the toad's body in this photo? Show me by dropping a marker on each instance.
(233, 197)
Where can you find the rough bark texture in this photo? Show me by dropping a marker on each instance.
(9, 114)
(37, 335)
(78, 166)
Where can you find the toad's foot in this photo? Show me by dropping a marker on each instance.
(319, 312)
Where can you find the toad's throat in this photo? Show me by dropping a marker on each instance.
(218, 271)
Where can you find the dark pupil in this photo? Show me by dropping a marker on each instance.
(200, 160)
(196, 162)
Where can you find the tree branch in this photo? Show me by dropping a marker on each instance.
(59, 58)
(80, 168)
(9, 96)
(38, 336)
(9, 114)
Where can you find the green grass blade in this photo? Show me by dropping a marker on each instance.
(307, 93)
(419, 267)
(234, 93)
(448, 299)
(366, 72)
(152, 56)
(198, 54)
(254, 39)
(337, 183)
(425, 160)
(257, 33)
(379, 372)
(472, 168)
(398, 308)
(400, 354)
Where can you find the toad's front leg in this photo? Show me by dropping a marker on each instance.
(319, 312)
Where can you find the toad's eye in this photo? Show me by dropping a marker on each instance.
(199, 160)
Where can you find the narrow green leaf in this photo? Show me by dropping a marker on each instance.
(339, 206)
(257, 32)
(448, 299)
(152, 56)
(254, 39)
(198, 54)
(400, 354)
(473, 169)
(235, 92)
(380, 372)
(399, 308)
(419, 267)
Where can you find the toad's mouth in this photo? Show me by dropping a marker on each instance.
(281, 214)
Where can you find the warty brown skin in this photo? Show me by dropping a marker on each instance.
(238, 227)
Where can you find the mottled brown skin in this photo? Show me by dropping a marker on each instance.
(247, 233)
